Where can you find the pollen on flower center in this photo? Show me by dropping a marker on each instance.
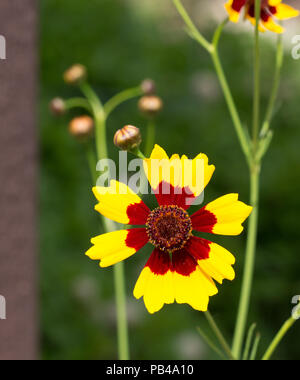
(169, 228)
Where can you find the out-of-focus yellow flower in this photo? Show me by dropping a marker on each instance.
(270, 9)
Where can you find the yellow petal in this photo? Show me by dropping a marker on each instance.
(233, 15)
(179, 172)
(272, 26)
(113, 247)
(274, 3)
(196, 173)
(285, 11)
(194, 289)
(158, 153)
(219, 264)
(119, 203)
(157, 290)
(230, 213)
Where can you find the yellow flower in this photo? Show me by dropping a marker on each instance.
(270, 9)
(182, 267)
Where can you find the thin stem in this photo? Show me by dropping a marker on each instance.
(255, 347)
(254, 200)
(92, 161)
(219, 335)
(119, 277)
(93, 99)
(231, 105)
(120, 98)
(191, 26)
(78, 103)
(150, 139)
(137, 152)
(109, 226)
(99, 115)
(249, 341)
(256, 100)
(275, 88)
(210, 343)
(218, 32)
(249, 264)
(250, 154)
(212, 49)
(278, 338)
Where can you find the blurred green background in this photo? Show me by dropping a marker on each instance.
(121, 43)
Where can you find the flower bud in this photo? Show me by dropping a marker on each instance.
(148, 87)
(150, 105)
(128, 138)
(81, 127)
(57, 106)
(75, 74)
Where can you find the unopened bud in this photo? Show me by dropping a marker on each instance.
(57, 106)
(150, 105)
(148, 87)
(75, 74)
(128, 138)
(81, 127)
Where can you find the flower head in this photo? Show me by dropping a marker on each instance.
(148, 87)
(57, 106)
(75, 74)
(270, 9)
(81, 127)
(150, 105)
(128, 138)
(182, 266)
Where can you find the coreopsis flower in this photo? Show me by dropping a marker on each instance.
(182, 267)
(270, 9)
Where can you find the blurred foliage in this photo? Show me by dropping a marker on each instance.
(121, 45)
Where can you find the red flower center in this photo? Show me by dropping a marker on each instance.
(169, 228)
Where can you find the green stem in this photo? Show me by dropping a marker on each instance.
(256, 102)
(78, 103)
(191, 26)
(123, 345)
(210, 343)
(250, 154)
(219, 335)
(150, 138)
(109, 226)
(278, 338)
(137, 152)
(254, 200)
(99, 116)
(249, 341)
(218, 32)
(92, 161)
(275, 88)
(249, 264)
(231, 105)
(213, 50)
(255, 347)
(120, 98)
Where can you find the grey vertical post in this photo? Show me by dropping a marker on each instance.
(18, 179)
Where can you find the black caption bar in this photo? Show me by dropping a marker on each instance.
(141, 369)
